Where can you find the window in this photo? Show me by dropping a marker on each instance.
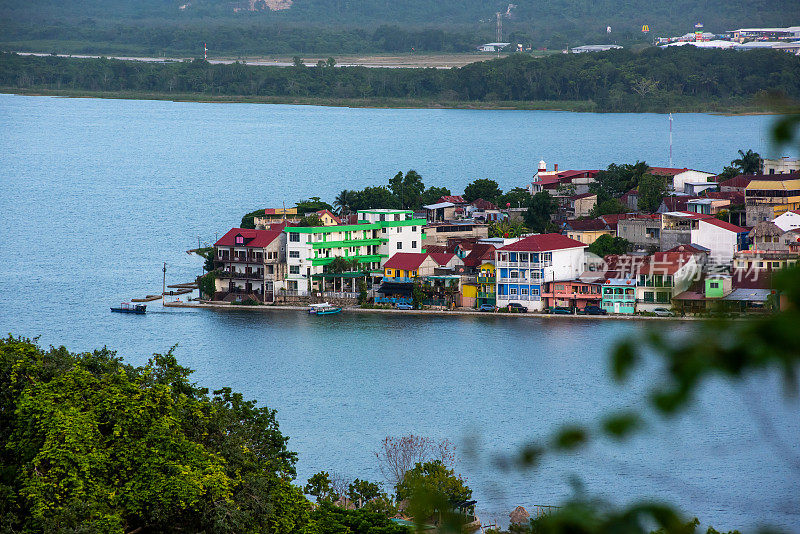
(714, 285)
(512, 291)
(649, 296)
(239, 240)
(294, 269)
(413, 273)
(514, 274)
(413, 244)
(383, 216)
(662, 298)
(294, 237)
(523, 256)
(383, 230)
(294, 253)
(413, 228)
(399, 245)
(535, 291)
(776, 264)
(523, 291)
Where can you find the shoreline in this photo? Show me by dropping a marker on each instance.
(577, 106)
(439, 313)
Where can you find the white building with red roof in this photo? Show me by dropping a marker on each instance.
(678, 178)
(664, 275)
(250, 264)
(721, 238)
(523, 267)
(788, 221)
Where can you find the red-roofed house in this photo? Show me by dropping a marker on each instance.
(251, 264)
(681, 177)
(664, 275)
(522, 267)
(447, 260)
(587, 230)
(458, 200)
(721, 238)
(405, 266)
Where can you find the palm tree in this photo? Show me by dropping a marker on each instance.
(343, 201)
(749, 162)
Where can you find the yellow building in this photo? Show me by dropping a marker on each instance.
(328, 218)
(587, 230)
(486, 284)
(771, 195)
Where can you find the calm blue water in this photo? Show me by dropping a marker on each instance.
(96, 194)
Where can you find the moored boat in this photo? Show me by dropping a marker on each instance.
(323, 309)
(127, 307)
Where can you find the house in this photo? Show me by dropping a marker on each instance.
(447, 260)
(721, 238)
(707, 206)
(737, 184)
(276, 215)
(485, 210)
(327, 218)
(377, 235)
(440, 211)
(788, 221)
(523, 267)
(677, 178)
(642, 231)
(476, 289)
(399, 273)
(487, 282)
(782, 165)
(676, 228)
(714, 288)
(619, 283)
(573, 294)
(561, 183)
(586, 230)
(675, 202)
(438, 233)
(766, 235)
(663, 275)
(579, 205)
(492, 47)
(771, 195)
(697, 188)
(251, 264)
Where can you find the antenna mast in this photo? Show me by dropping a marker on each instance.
(499, 30)
(205, 51)
(670, 139)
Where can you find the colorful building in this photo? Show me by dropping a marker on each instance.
(574, 294)
(251, 264)
(524, 266)
(664, 275)
(619, 295)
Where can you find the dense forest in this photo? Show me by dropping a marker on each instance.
(344, 26)
(654, 80)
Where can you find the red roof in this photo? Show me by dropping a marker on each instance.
(455, 199)
(320, 213)
(441, 258)
(251, 238)
(736, 197)
(543, 242)
(689, 248)
(665, 171)
(665, 262)
(586, 225)
(677, 203)
(435, 248)
(405, 260)
(479, 252)
(483, 204)
(739, 182)
(725, 225)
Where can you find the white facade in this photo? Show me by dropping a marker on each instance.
(722, 243)
(647, 296)
(680, 180)
(781, 165)
(788, 221)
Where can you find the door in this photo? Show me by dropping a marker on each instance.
(616, 307)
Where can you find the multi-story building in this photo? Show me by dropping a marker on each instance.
(276, 215)
(251, 264)
(377, 235)
(770, 195)
(664, 275)
(722, 239)
(574, 294)
(439, 233)
(619, 295)
(642, 231)
(524, 266)
(782, 165)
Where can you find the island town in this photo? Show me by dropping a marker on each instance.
(681, 242)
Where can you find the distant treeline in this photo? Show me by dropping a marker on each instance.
(655, 80)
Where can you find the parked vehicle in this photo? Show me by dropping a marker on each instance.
(487, 308)
(592, 310)
(560, 310)
(663, 312)
(516, 307)
(403, 306)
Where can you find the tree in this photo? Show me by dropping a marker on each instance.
(297, 61)
(248, 221)
(608, 207)
(340, 265)
(482, 188)
(651, 192)
(433, 194)
(207, 285)
(606, 245)
(310, 220)
(313, 204)
(518, 197)
(408, 189)
(507, 228)
(748, 162)
(617, 180)
(344, 201)
(362, 491)
(727, 173)
(319, 485)
(397, 455)
(432, 488)
(331, 519)
(374, 198)
(541, 207)
(362, 292)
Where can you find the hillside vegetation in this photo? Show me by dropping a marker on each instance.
(345, 26)
(655, 80)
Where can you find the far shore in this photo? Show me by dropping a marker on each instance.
(578, 106)
(439, 313)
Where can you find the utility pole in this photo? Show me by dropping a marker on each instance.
(164, 284)
(670, 139)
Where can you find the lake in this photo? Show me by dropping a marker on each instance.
(98, 194)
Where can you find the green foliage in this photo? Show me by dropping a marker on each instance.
(374, 198)
(362, 292)
(99, 446)
(319, 486)
(608, 207)
(433, 193)
(606, 80)
(330, 519)
(748, 162)
(311, 205)
(408, 189)
(518, 197)
(311, 220)
(606, 245)
(728, 172)
(541, 207)
(362, 491)
(248, 221)
(482, 188)
(206, 284)
(507, 228)
(418, 295)
(651, 192)
(432, 488)
(344, 201)
(617, 180)
(342, 265)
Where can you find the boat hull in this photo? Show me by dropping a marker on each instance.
(328, 312)
(123, 310)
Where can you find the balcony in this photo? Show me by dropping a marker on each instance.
(241, 276)
(486, 295)
(486, 279)
(241, 259)
(398, 279)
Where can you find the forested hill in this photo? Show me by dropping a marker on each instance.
(551, 23)
(675, 79)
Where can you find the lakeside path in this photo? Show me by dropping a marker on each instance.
(438, 313)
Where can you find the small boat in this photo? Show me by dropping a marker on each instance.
(127, 307)
(323, 309)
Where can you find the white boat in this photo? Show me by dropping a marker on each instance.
(323, 308)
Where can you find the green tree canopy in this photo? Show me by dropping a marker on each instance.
(651, 192)
(433, 193)
(311, 205)
(375, 198)
(518, 197)
(748, 162)
(541, 207)
(319, 485)
(606, 244)
(608, 207)
(482, 188)
(408, 189)
(617, 180)
(248, 221)
(434, 486)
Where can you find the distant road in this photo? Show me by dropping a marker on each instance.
(440, 61)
